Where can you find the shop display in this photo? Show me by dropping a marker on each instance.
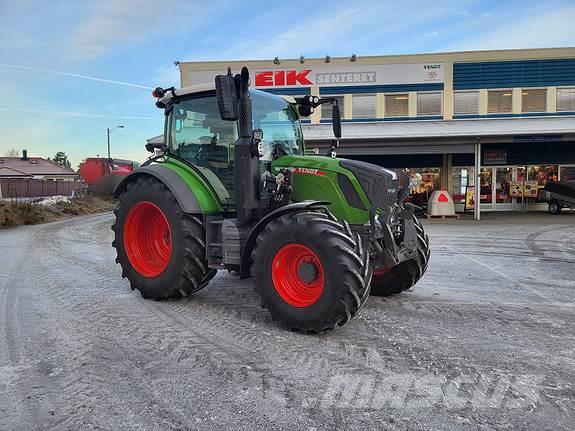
(516, 189)
(469, 198)
(530, 189)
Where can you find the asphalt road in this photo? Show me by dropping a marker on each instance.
(485, 341)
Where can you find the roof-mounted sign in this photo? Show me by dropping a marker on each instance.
(337, 75)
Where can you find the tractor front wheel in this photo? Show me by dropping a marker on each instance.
(311, 272)
(160, 248)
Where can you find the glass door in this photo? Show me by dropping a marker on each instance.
(486, 188)
(502, 198)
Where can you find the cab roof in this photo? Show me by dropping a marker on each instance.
(200, 88)
(197, 88)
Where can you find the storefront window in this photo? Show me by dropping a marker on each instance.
(462, 177)
(542, 174)
(568, 174)
(486, 186)
(430, 181)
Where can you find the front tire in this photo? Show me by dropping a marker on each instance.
(311, 272)
(554, 207)
(404, 276)
(160, 248)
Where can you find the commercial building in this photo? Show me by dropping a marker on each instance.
(491, 119)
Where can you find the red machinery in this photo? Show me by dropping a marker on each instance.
(93, 169)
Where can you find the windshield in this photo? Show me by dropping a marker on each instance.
(279, 122)
(196, 133)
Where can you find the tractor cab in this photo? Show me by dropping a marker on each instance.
(196, 133)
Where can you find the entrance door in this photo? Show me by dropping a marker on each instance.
(486, 188)
(503, 177)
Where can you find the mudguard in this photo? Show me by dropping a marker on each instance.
(181, 191)
(260, 226)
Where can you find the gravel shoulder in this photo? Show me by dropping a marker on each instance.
(486, 340)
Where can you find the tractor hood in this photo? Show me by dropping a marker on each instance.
(355, 189)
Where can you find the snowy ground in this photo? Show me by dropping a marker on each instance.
(486, 340)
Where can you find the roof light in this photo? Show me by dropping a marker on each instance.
(158, 92)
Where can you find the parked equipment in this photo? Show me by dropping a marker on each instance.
(559, 195)
(103, 174)
(93, 169)
(231, 187)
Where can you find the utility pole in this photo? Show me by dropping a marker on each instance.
(108, 130)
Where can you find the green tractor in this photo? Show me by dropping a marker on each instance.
(233, 187)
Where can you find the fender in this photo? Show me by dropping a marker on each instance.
(260, 226)
(181, 191)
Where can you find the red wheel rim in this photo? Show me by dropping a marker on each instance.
(297, 275)
(147, 239)
(381, 271)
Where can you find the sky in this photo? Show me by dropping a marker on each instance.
(71, 69)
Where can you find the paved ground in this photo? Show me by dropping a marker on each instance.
(485, 341)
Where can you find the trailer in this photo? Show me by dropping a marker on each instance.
(559, 195)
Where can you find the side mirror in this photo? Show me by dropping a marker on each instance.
(227, 96)
(336, 121)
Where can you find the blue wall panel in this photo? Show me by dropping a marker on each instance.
(284, 91)
(507, 74)
(397, 88)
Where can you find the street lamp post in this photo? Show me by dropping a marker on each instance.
(110, 131)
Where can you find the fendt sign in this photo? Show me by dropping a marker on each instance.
(337, 75)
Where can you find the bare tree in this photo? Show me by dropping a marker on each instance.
(12, 153)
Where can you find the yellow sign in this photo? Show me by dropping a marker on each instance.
(530, 189)
(469, 198)
(516, 189)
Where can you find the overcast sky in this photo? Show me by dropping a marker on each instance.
(69, 69)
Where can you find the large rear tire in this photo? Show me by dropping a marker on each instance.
(311, 272)
(394, 280)
(160, 248)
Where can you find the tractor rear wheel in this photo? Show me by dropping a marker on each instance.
(390, 281)
(160, 248)
(311, 272)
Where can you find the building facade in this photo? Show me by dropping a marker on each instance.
(495, 120)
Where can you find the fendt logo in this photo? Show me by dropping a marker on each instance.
(307, 171)
(275, 78)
